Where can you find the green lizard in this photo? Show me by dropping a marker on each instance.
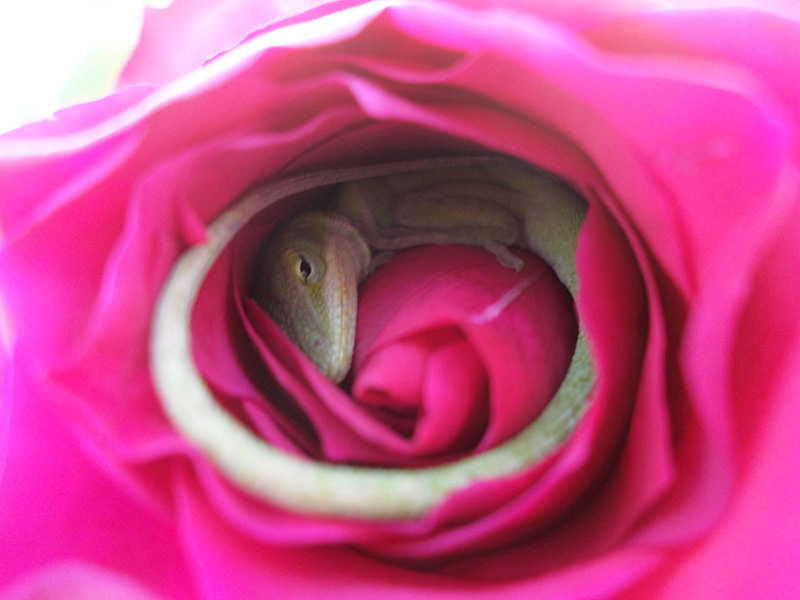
(314, 263)
(489, 201)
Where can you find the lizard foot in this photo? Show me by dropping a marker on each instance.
(504, 256)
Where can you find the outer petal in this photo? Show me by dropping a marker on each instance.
(761, 519)
(754, 550)
(76, 581)
(58, 505)
(177, 39)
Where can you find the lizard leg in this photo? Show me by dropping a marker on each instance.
(504, 256)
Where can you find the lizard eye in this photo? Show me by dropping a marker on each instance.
(304, 268)
(308, 269)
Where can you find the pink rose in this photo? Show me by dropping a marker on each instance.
(680, 480)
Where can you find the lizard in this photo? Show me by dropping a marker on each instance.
(315, 261)
(549, 215)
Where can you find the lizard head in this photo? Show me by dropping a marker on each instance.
(309, 286)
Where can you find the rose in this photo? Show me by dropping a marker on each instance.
(681, 137)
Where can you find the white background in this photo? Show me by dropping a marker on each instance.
(54, 53)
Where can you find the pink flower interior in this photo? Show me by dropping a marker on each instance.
(473, 350)
(455, 353)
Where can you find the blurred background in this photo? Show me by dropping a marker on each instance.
(54, 53)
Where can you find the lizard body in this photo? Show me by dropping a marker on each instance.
(550, 217)
(314, 263)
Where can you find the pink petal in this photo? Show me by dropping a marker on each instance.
(59, 506)
(177, 39)
(754, 550)
(77, 581)
(452, 288)
(261, 571)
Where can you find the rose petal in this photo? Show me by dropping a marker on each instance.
(713, 34)
(762, 520)
(58, 504)
(452, 287)
(221, 556)
(76, 581)
(177, 39)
